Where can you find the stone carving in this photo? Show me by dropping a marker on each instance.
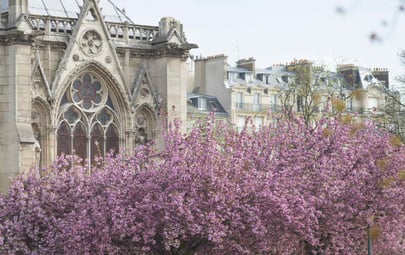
(141, 137)
(36, 148)
(35, 116)
(88, 93)
(76, 57)
(91, 43)
(144, 93)
(140, 119)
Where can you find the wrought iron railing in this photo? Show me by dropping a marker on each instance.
(247, 107)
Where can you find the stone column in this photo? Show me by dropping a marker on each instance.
(16, 138)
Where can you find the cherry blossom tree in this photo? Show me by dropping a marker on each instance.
(294, 189)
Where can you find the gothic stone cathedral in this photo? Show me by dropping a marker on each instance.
(78, 76)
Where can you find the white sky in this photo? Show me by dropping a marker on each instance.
(280, 31)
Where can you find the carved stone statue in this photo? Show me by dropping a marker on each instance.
(36, 151)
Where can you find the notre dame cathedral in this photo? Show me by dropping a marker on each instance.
(78, 76)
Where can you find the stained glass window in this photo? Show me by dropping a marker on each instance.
(104, 117)
(112, 140)
(64, 139)
(71, 116)
(88, 122)
(88, 93)
(97, 142)
(80, 141)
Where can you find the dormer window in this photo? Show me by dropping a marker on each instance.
(202, 103)
(230, 76)
(284, 78)
(242, 76)
(266, 79)
(248, 77)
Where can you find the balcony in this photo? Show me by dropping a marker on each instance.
(245, 107)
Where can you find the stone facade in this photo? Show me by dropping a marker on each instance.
(84, 84)
(255, 97)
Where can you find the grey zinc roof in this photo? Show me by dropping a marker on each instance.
(70, 9)
(367, 78)
(3, 6)
(213, 103)
(237, 69)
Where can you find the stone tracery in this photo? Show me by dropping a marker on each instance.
(88, 124)
(91, 43)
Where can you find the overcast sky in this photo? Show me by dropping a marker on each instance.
(279, 31)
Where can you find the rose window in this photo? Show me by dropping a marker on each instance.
(91, 43)
(88, 93)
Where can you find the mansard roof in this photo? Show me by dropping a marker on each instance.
(212, 104)
(71, 9)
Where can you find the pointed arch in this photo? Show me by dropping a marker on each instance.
(146, 124)
(64, 140)
(96, 142)
(80, 140)
(120, 96)
(142, 86)
(112, 140)
(96, 111)
(38, 74)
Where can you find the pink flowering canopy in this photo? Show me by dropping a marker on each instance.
(294, 189)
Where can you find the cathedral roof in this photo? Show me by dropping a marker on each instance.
(70, 9)
(3, 6)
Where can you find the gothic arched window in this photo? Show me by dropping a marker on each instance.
(88, 123)
(64, 139)
(80, 140)
(97, 141)
(112, 144)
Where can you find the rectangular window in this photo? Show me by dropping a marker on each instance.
(240, 124)
(349, 104)
(239, 100)
(249, 77)
(230, 76)
(299, 104)
(256, 102)
(242, 76)
(202, 103)
(258, 122)
(273, 102)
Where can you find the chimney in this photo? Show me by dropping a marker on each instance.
(350, 73)
(248, 64)
(382, 74)
(299, 65)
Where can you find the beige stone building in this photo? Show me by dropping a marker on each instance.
(78, 76)
(254, 96)
(201, 107)
(248, 94)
